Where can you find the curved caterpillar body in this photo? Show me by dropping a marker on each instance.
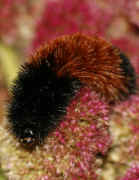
(56, 72)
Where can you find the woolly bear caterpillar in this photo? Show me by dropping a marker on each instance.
(55, 73)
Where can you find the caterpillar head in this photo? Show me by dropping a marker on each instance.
(28, 138)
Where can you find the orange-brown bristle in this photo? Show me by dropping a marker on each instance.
(92, 60)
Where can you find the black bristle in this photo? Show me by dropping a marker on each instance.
(129, 73)
(39, 100)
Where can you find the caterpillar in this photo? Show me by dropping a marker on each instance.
(54, 74)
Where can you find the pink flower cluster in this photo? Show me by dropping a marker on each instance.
(8, 13)
(132, 173)
(131, 9)
(126, 118)
(66, 17)
(81, 137)
(127, 8)
(131, 108)
(11, 13)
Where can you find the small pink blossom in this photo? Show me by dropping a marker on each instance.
(132, 173)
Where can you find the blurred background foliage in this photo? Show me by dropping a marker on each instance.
(26, 24)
